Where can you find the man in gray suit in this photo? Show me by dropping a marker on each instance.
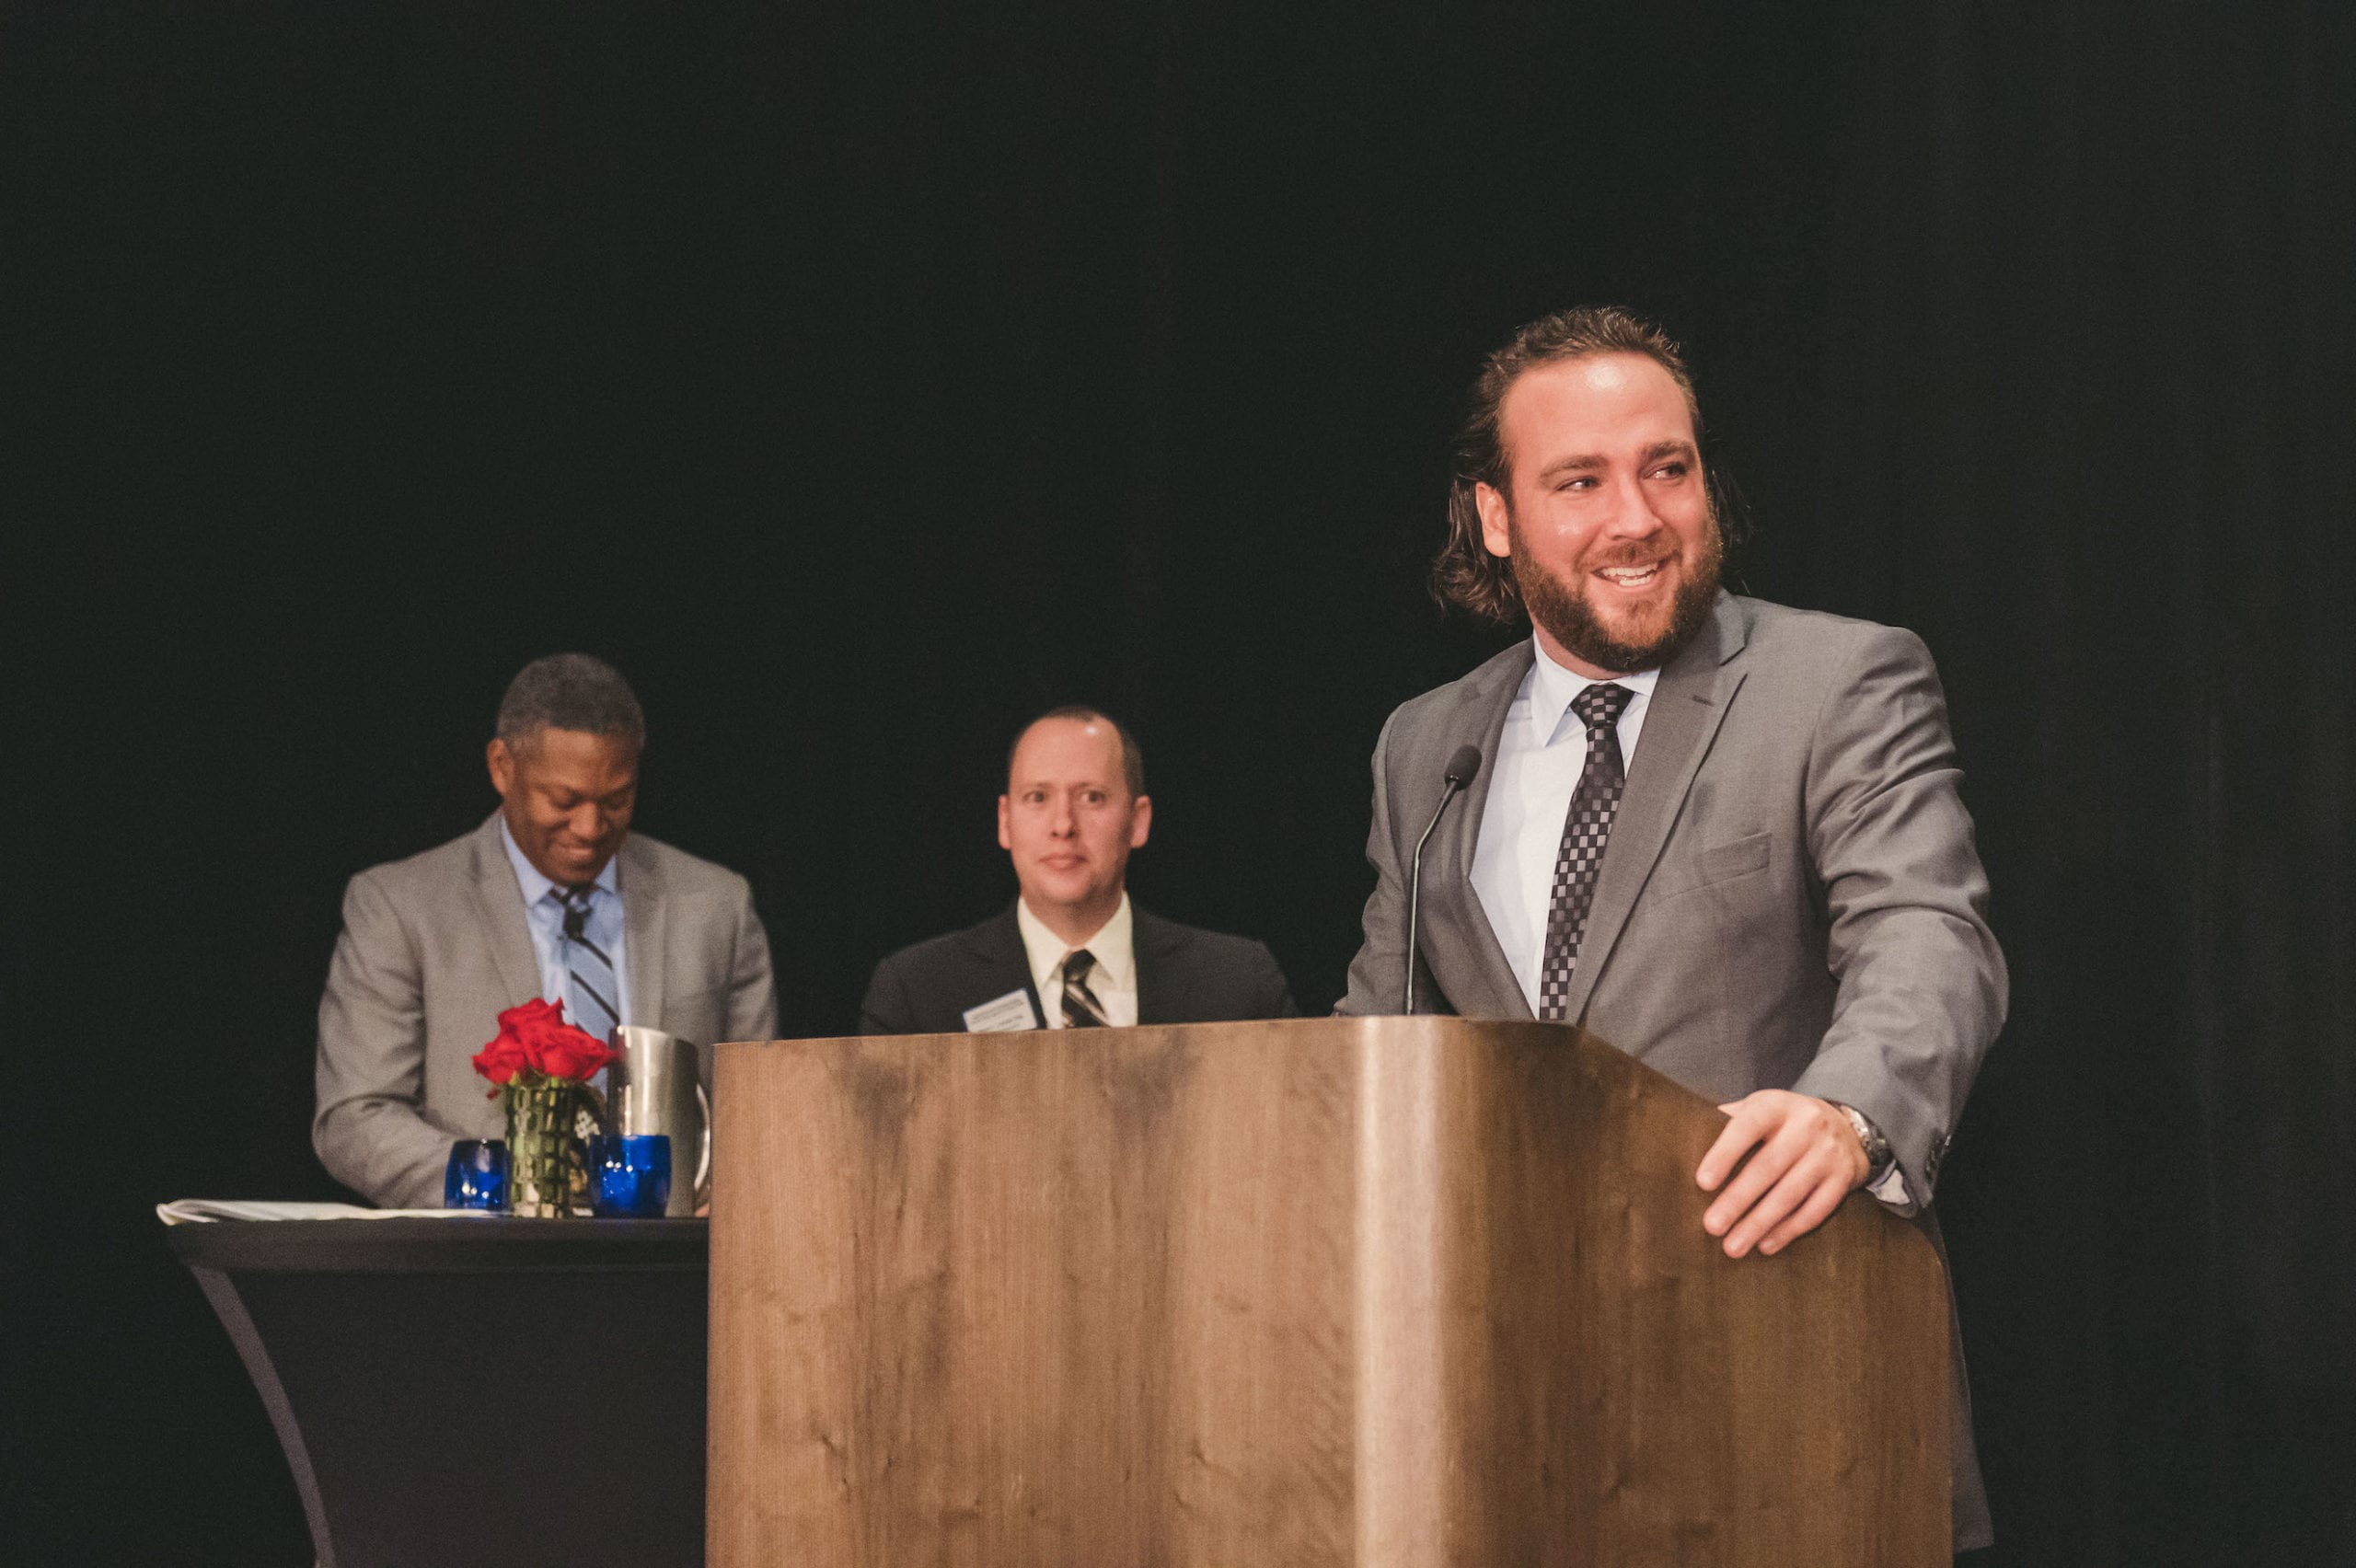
(1724, 834)
(552, 896)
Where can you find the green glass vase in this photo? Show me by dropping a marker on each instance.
(548, 1157)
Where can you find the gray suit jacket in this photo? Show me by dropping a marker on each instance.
(1790, 898)
(435, 947)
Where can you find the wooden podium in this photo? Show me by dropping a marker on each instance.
(1404, 1291)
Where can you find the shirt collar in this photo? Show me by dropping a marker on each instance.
(1553, 688)
(535, 886)
(1114, 946)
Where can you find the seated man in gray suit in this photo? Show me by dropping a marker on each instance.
(1074, 952)
(1724, 834)
(552, 896)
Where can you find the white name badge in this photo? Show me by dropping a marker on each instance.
(1011, 1012)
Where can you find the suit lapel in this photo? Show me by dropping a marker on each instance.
(1480, 720)
(645, 914)
(498, 903)
(1002, 964)
(1688, 705)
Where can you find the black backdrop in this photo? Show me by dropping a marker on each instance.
(862, 378)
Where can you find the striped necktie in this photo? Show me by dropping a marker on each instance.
(1081, 1010)
(589, 988)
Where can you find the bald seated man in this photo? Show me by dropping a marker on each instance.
(1075, 951)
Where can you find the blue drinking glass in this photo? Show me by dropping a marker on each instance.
(476, 1175)
(630, 1176)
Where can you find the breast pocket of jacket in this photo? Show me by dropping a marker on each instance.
(1721, 864)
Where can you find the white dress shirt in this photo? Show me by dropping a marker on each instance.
(1541, 754)
(1112, 980)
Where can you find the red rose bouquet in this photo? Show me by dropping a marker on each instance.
(534, 1043)
(542, 1064)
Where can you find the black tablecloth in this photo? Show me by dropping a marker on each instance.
(476, 1390)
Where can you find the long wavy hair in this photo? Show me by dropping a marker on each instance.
(1465, 576)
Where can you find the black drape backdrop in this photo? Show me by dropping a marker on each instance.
(2087, 431)
(862, 378)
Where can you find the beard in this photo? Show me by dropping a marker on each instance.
(1569, 614)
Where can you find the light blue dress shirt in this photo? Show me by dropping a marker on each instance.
(1541, 754)
(545, 914)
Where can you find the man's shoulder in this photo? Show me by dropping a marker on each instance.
(681, 871)
(1198, 942)
(1188, 974)
(1817, 640)
(969, 944)
(1478, 683)
(925, 986)
(428, 872)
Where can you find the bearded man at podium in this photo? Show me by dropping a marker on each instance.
(1724, 834)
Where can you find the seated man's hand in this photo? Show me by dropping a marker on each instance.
(1804, 1157)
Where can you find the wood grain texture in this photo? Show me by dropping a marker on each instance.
(1396, 1291)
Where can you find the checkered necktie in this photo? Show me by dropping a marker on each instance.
(1081, 1010)
(1585, 829)
(589, 989)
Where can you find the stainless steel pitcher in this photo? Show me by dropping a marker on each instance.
(656, 1087)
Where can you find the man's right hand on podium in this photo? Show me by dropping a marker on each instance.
(1804, 1157)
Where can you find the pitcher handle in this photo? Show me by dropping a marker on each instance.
(703, 1162)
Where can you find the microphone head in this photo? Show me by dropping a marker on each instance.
(1462, 765)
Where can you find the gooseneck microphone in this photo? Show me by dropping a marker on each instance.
(1461, 766)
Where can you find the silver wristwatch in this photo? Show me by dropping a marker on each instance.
(1878, 1158)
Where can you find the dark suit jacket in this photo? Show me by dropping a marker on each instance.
(1184, 975)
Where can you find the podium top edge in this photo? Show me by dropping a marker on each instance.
(1421, 1024)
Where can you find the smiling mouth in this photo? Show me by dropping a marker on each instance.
(1632, 577)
